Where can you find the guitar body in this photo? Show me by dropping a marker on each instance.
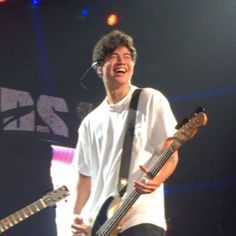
(106, 212)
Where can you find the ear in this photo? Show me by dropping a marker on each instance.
(99, 71)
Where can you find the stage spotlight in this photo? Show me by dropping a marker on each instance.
(84, 12)
(112, 19)
(2, 1)
(35, 2)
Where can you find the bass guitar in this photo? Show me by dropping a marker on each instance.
(106, 225)
(50, 199)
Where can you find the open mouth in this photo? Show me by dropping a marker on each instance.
(120, 70)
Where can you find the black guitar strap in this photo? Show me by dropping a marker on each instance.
(128, 141)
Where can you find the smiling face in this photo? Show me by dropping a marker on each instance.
(118, 68)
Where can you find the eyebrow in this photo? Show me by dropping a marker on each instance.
(127, 53)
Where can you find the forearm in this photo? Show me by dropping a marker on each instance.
(169, 167)
(167, 170)
(82, 193)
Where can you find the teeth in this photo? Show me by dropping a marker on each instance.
(120, 70)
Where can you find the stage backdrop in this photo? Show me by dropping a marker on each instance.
(186, 49)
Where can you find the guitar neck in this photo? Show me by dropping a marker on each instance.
(162, 160)
(111, 223)
(21, 215)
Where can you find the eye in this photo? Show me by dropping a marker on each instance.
(128, 56)
(113, 57)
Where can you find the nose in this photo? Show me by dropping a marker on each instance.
(120, 59)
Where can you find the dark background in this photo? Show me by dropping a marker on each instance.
(186, 49)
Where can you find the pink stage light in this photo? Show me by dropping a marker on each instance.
(62, 154)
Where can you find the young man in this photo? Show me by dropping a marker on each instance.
(100, 143)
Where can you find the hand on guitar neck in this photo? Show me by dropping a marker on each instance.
(148, 185)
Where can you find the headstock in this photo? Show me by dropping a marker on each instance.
(189, 127)
(51, 198)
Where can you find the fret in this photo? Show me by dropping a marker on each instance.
(42, 204)
(38, 206)
(20, 215)
(2, 226)
(28, 211)
(11, 220)
(14, 218)
(34, 208)
(6, 223)
(1, 229)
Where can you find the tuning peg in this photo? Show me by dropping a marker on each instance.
(199, 109)
(184, 121)
(178, 126)
(48, 189)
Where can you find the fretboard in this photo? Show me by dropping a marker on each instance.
(21, 215)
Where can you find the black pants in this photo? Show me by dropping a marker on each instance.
(143, 230)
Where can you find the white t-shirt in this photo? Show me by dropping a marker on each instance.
(99, 150)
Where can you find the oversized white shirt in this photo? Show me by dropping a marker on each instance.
(99, 150)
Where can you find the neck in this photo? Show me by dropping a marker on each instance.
(115, 95)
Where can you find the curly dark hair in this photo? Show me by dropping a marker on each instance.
(110, 42)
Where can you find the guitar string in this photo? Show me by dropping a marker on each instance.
(112, 222)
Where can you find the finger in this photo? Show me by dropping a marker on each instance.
(146, 181)
(144, 169)
(143, 188)
(79, 227)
